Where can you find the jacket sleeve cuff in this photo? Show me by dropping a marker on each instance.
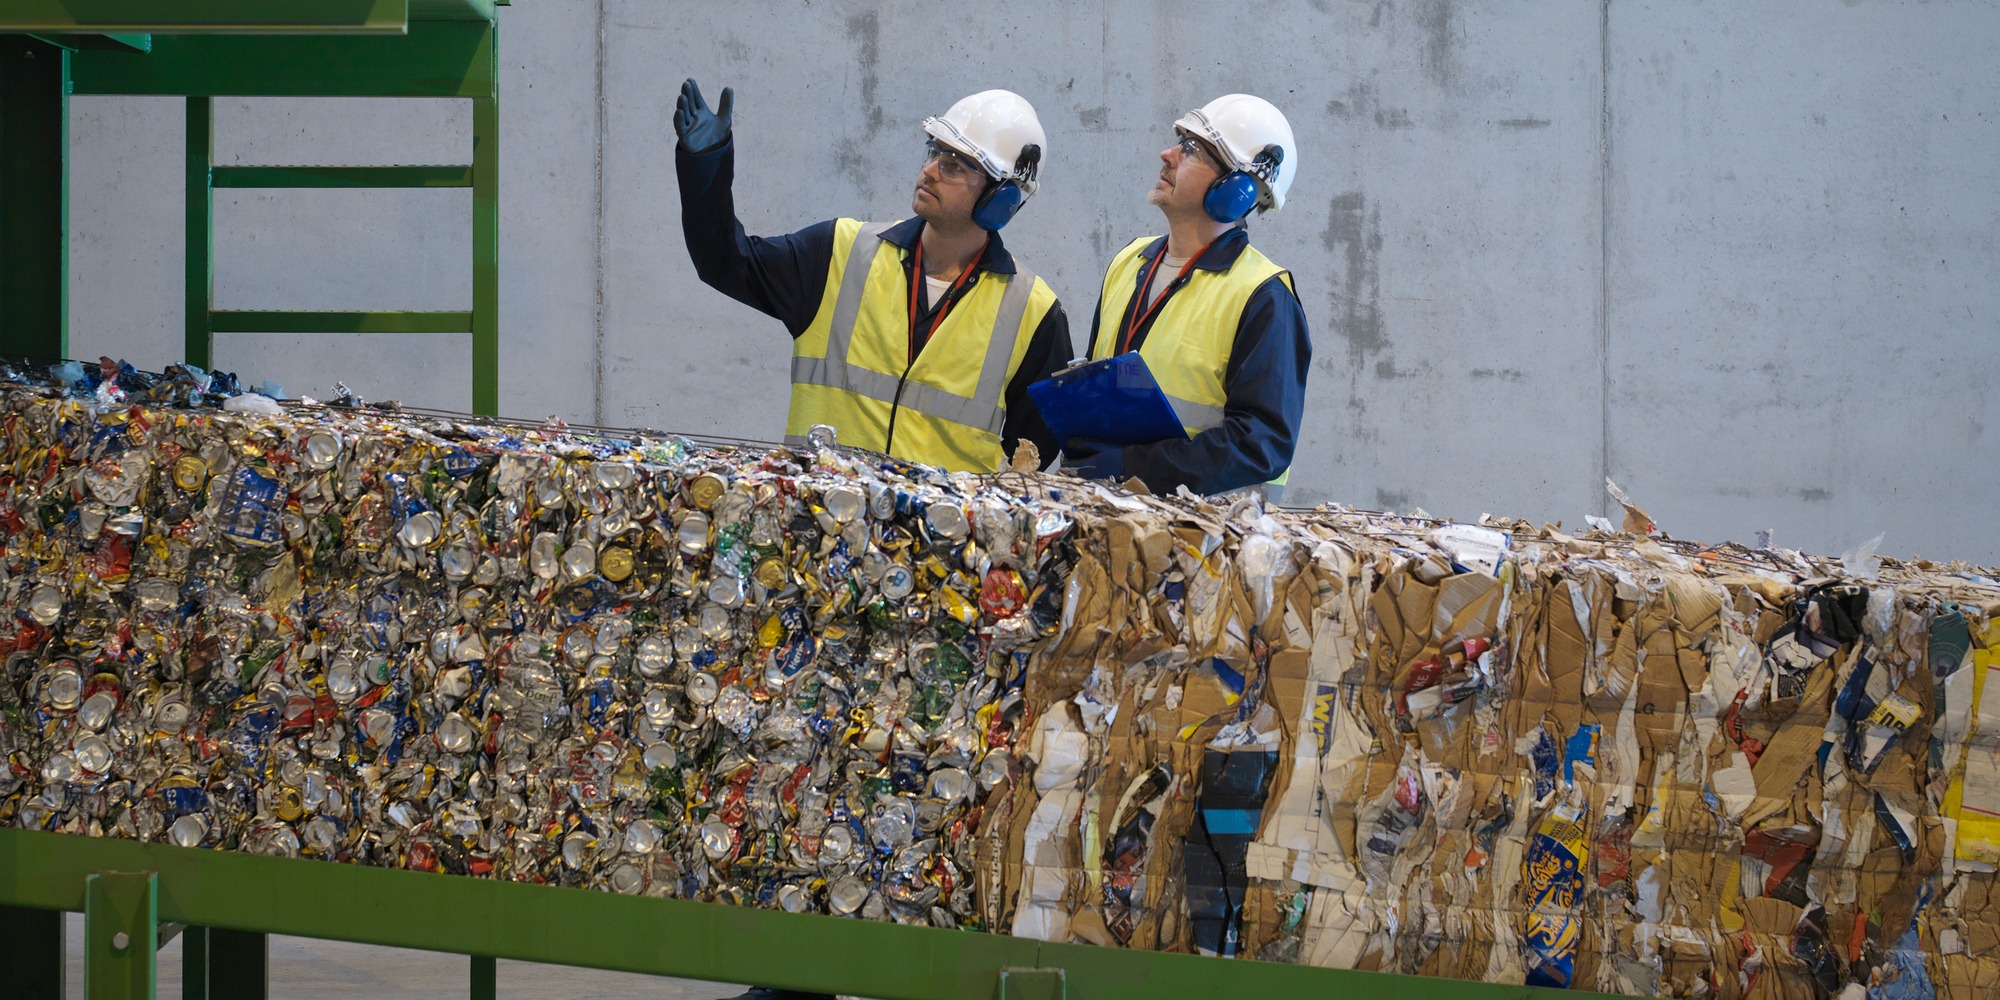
(698, 171)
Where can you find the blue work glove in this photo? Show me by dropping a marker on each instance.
(699, 128)
(1094, 459)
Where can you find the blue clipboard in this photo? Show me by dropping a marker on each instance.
(1115, 400)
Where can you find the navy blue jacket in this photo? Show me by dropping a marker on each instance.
(785, 277)
(1265, 385)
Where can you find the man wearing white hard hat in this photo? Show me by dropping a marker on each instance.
(915, 338)
(1217, 322)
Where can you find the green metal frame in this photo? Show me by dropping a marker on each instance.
(121, 926)
(250, 17)
(671, 937)
(34, 196)
(204, 321)
(443, 49)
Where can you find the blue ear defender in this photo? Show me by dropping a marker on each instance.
(1234, 194)
(997, 206)
(1231, 197)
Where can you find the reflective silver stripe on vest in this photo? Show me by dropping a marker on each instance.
(1006, 331)
(982, 411)
(847, 302)
(882, 386)
(1199, 416)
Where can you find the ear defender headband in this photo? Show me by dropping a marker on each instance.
(996, 207)
(1235, 194)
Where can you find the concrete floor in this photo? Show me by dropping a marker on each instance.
(308, 969)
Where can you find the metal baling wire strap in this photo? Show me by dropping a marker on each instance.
(605, 429)
(711, 440)
(1693, 549)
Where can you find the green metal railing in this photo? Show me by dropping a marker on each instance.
(252, 17)
(204, 321)
(135, 889)
(34, 196)
(454, 55)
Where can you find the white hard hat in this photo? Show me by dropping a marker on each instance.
(996, 129)
(1256, 139)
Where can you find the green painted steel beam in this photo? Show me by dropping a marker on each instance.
(34, 198)
(485, 978)
(121, 926)
(31, 952)
(281, 321)
(436, 59)
(670, 937)
(486, 256)
(116, 42)
(194, 963)
(1031, 984)
(342, 177)
(239, 964)
(263, 17)
(198, 287)
(453, 10)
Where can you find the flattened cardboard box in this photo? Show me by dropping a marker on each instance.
(1729, 846)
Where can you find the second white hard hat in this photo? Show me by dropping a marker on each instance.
(1256, 139)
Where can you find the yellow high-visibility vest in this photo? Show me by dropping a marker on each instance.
(1188, 346)
(851, 368)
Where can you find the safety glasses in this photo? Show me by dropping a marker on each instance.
(1191, 146)
(952, 165)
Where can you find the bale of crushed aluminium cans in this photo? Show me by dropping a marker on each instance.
(623, 663)
(829, 682)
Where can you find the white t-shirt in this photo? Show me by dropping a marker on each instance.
(1171, 266)
(937, 288)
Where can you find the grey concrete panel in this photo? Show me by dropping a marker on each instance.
(358, 132)
(126, 219)
(1804, 283)
(1450, 269)
(431, 370)
(548, 209)
(674, 353)
(333, 248)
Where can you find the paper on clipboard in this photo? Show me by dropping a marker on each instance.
(1115, 400)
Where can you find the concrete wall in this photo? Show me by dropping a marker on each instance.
(1738, 257)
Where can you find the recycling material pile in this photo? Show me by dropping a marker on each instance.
(828, 682)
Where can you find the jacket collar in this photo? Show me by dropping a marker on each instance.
(1220, 257)
(903, 235)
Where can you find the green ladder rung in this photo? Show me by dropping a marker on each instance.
(459, 176)
(339, 73)
(292, 321)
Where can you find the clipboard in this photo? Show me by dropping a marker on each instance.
(1115, 400)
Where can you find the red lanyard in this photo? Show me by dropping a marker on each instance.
(1139, 317)
(916, 276)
